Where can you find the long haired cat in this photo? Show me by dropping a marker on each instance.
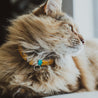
(45, 55)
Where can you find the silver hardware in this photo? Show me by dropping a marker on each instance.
(37, 68)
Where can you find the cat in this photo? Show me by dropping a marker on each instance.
(46, 55)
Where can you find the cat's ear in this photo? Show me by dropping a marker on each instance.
(53, 7)
(50, 8)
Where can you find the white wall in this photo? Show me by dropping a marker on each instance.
(95, 2)
(83, 15)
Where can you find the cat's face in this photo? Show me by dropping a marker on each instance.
(47, 35)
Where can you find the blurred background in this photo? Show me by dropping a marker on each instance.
(84, 13)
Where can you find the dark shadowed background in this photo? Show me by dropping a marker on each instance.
(9, 9)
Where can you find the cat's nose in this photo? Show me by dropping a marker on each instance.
(80, 37)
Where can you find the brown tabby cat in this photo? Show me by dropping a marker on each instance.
(39, 58)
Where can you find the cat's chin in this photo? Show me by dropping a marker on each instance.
(69, 51)
(75, 51)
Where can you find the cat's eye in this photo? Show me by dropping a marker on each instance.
(71, 27)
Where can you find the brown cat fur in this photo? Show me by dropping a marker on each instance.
(44, 32)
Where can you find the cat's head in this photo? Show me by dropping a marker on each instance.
(47, 32)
